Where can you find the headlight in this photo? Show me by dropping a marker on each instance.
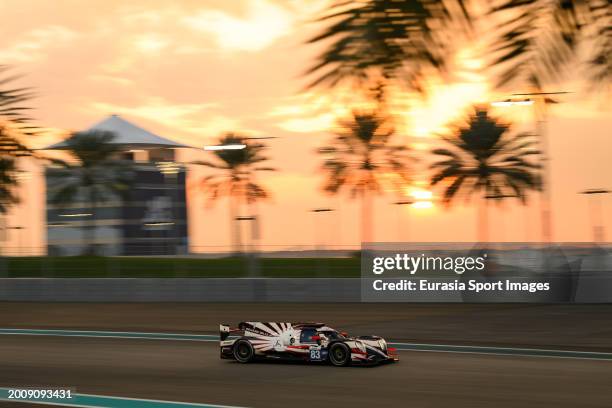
(383, 344)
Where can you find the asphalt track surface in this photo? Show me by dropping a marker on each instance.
(579, 327)
(192, 371)
(401, 346)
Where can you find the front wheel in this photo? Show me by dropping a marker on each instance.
(243, 351)
(339, 354)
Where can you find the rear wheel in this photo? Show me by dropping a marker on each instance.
(339, 354)
(243, 351)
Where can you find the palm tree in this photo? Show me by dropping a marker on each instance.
(236, 179)
(537, 39)
(12, 100)
(13, 122)
(7, 183)
(362, 160)
(372, 40)
(98, 176)
(485, 158)
(10, 150)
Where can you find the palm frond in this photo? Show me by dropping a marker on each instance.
(538, 40)
(207, 163)
(452, 171)
(391, 39)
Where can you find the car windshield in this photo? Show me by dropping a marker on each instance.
(332, 334)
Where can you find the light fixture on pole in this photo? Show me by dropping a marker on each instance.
(510, 102)
(317, 210)
(236, 146)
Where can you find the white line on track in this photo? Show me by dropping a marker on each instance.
(422, 347)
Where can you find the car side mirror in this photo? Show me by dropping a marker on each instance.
(344, 334)
(316, 338)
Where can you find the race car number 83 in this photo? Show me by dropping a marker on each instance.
(315, 354)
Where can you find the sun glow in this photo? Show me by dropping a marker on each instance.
(422, 204)
(420, 197)
(421, 194)
(445, 101)
(443, 106)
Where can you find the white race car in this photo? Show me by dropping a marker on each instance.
(301, 341)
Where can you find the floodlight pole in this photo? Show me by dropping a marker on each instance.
(253, 266)
(321, 267)
(540, 111)
(169, 171)
(546, 201)
(501, 226)
(3, 233)
(596, 213)
(319, 246)
(22, 176)
(399, 204)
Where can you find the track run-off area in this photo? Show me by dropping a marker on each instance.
(444, 348)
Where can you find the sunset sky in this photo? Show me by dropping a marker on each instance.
(190, 70)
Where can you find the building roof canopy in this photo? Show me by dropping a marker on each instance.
(127, 134)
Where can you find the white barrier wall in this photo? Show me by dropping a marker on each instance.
(180, 290)
(234, 290)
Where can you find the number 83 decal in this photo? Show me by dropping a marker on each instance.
(316, 354)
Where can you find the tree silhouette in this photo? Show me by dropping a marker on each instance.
(537, 39)
(236, 178)
(534, 41)
(361, 159)
(385, 39)
(12, 101)
(14, 121)
(484, 158)
(98, 176)
(7, 183)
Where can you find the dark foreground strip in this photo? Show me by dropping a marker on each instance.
(102, 401)
(400, 346)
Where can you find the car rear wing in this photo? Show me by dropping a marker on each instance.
(225, 331)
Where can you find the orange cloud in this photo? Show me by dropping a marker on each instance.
(36, 43)
(262, 25)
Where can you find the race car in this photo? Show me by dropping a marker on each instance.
(311, 342)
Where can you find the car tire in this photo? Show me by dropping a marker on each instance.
(243, 351)
(339, 354)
